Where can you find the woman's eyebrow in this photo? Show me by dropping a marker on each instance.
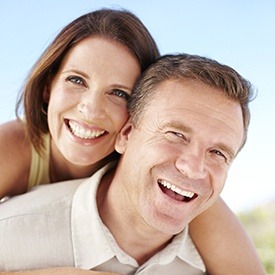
(115, 85)
(75, 71)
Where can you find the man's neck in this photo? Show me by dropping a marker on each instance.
(132, 234)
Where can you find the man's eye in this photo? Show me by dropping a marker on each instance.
(178, 134)
(75, 79)
(175, 135)
(121, 94)
(219, 154)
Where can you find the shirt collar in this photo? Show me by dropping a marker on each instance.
(94, 244)
(182, 247)
(188, 252)
(91, 246)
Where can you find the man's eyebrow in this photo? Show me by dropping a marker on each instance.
(177, 125)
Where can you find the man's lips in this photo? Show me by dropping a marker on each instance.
(175, 192)
(83, 132)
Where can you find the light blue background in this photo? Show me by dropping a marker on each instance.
(238, 33)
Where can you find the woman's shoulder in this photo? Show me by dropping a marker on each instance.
(15, 155)
(12, 130)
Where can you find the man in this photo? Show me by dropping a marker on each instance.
(188, 121)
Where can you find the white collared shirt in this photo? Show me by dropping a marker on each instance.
(60, 226)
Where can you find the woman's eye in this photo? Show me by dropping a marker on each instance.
(75, 79)
(121, 94)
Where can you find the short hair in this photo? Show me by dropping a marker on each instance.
(119, 25)
(191, 67)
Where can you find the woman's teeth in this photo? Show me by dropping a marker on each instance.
(84, 133)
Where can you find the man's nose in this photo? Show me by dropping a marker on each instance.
(191, 164)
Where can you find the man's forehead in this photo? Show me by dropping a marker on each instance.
(177, 103)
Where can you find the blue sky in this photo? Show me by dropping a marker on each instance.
(240, 34)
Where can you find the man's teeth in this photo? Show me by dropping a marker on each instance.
(176, 189)
(81, 132)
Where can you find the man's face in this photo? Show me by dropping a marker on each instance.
(175, 163)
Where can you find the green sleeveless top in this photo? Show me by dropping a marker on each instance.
(39, 170)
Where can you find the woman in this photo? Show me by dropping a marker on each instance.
(74, 106)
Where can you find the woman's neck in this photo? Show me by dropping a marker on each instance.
(60, 169)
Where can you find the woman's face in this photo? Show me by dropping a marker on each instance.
(87, 99)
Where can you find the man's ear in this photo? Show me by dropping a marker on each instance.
(123, 137)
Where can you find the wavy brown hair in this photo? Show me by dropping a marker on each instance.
(119, 25)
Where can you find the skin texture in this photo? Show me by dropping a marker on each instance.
(13, 142)
(179, 145)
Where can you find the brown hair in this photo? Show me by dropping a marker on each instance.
(185, 66)
(119, 25)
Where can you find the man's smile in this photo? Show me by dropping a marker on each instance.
(175, 192)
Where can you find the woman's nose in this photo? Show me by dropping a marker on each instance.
(92, 105)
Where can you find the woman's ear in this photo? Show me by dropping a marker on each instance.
(123, 137)
(46, 92)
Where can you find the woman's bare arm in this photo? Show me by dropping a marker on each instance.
(15, 158)
(223, 243)
(58, 271)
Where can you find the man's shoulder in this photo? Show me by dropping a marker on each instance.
(43, 198)
(36, 227)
